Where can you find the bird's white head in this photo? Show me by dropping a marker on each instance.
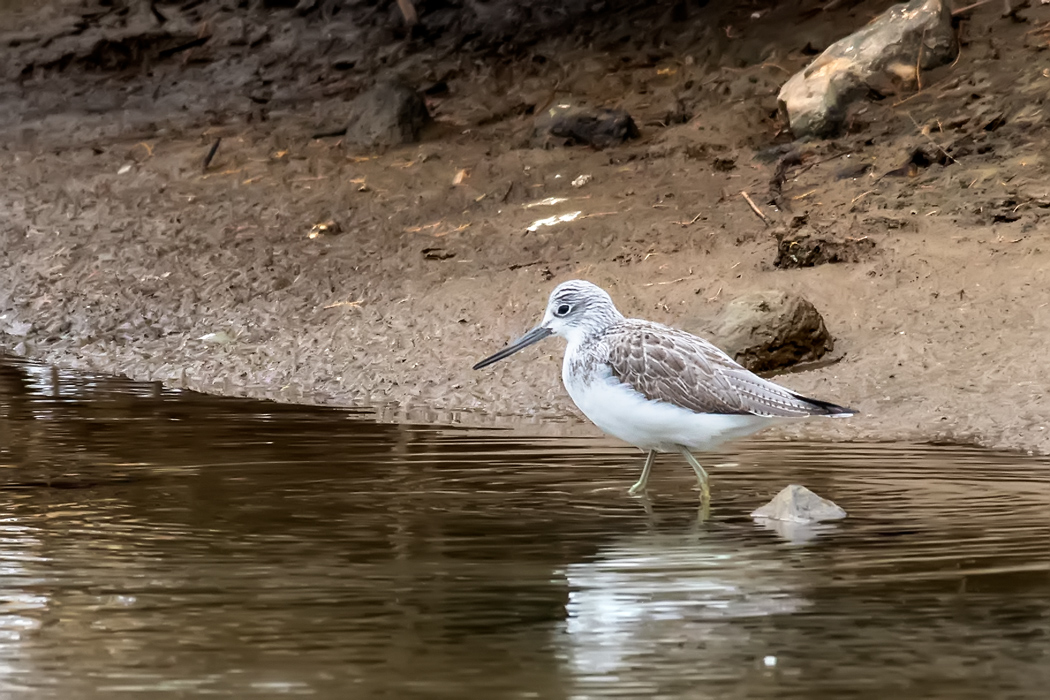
(575, 310)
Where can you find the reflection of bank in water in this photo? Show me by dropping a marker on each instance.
(20, 549)
(69, 430)
(23, 607)
(657, 600)
(56, 428)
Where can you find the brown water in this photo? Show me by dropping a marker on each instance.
(165, 544)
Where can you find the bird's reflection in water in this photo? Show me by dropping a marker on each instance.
(669, 598)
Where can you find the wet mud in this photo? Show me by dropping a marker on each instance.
(121, 252)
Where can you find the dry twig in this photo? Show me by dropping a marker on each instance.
(691, 221)
(211, 154)
(351, 304)
(754, 207)
(918, 62)
(964, 10)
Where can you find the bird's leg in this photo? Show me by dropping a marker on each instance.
(644, 478)
(701, 475)
(704, 512)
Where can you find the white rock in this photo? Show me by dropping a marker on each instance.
(797, 504)
(886, 52)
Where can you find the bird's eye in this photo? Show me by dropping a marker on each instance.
(563, 310)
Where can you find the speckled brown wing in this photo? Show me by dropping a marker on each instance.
(666, 364)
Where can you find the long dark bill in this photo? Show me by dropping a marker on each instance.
(534, 336)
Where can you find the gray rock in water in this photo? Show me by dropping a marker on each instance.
(565, 124)
(882, 55)
(797, 504)
(771, 330)
(389, 114)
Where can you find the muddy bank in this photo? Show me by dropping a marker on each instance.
(121, 253)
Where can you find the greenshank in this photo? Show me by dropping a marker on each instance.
(658, 388)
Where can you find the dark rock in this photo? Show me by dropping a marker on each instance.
(345, 61)
(920, 157)
(771, 330)
(723, 165)
(805, 246)
(389, 114)
(570, 125)
(884, 56)
(438, 254)
(797, 504)
(437, 88)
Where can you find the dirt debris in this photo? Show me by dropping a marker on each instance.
(118, 254)
(802, 244)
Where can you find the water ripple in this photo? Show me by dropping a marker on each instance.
(164, 543)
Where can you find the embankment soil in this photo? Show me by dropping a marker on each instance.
(120, 253)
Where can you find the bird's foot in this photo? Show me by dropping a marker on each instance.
(638, 488)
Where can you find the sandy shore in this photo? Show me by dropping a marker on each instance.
(121, 255)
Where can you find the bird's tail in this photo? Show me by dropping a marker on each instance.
(825, 408)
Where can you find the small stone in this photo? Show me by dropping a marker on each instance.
(797, 504)
(770, 330)
(438, 254)
(566, 124)
(389, 114)
(18, 329)
(882, 56)
(325, 228)
(217, 338)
